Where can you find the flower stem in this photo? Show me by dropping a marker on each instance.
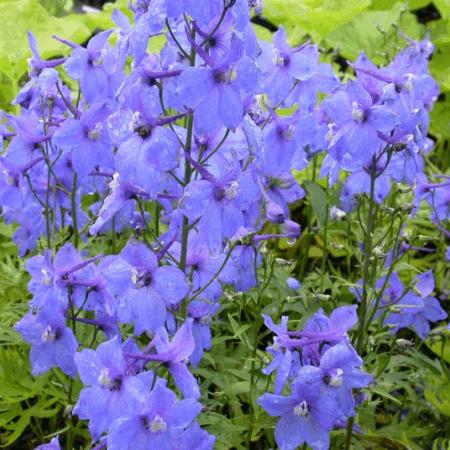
(368, 243)
(187, 178)
(73, 203)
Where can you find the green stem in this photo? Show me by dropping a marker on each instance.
(258, 322)
(187, 178)
(73, 203)
(252, 391)
(308, 225)
(368, 240)
(324, 255)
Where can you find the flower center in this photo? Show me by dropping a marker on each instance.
(46, 279)
(225, 77)
(357, 112)
(8, 178)
(335, 378)
(104, 378)
(49, 335)
(94, 134)
(114, 183)
(140, 280)
(158, 425)
(279, 59)
(301, 409)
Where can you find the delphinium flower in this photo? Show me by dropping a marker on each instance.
(321, 369)
(53, 344)
(179, 153)
(409, 308)
(157, 422)
(378, 124)
(142, 289)
(112, 386)
(437, 196)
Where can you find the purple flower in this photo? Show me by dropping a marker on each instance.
(307, 415)
(283, 66)
(156, 423)
(341, 368)
(194, 438)
(87, 139)
(112, 389)
(216, 92)
(174, 353)
(86, 66)
(293, 283)
(143, 289)
(53, 344)
(359, 120)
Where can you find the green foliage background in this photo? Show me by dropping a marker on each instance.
(410, 403)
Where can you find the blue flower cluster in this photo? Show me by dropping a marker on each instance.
(187, 152)
(322, 370)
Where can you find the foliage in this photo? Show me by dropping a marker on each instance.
(408, 404)
(347, 27)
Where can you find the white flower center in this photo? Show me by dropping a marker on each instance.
(232, 191)
(8, 178)
(104, 378)
(49, 335)
(158, 424)
(134, 276)
(337, 379)
(336, 213)
(46, 279)
(331, 131)
(301, 409)
(408, 85)
(94, 134)
(114, 183)
(357, 112)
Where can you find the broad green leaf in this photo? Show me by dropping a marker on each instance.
(19, 16)
(319, 200)
(438, 394)
(440, 32)
(315, 17)
(440, 345)
(440, 66)
(440, 119)
(375, 33)
(444, 7)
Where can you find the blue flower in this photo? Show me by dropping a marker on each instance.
(112, 388)
(156, 423)
(307, 415)
(53, 344)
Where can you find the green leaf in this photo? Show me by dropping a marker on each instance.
(444, 7)
(318, 199)
(375, 33)
(440, 67)
(317, 18)
(440, 119)
(438, 394)
(382, 442)
(440, 345)
(19, 16)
